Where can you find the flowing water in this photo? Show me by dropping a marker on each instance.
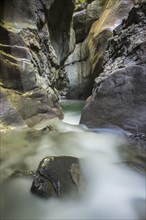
(113, 190)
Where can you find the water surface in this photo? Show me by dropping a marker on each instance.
(113, 190)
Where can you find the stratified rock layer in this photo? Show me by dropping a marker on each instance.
(119, 96)
(35, 39)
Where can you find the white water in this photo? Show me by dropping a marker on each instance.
(112, 191)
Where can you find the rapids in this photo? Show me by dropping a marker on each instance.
(112, 190)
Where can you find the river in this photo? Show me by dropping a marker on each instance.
(113, 191)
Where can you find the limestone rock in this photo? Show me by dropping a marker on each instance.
(78, 66)
(32, 51)
(134, 154)
(8, 115)
(84, 17)
(104, 16)
(119, 96)
(93, 12)
(60, 28)
(112, 15)
(79, 19)
(57, 176)
(78, 71)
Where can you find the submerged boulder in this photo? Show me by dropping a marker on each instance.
(119, 94)
(57, 176)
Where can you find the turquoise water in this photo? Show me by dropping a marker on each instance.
(72, 111)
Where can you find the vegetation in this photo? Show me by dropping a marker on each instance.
(81, 1)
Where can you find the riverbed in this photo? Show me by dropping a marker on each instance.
(113, 190)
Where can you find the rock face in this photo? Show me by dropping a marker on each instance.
(112, 15)
(78, 70)
(57, 176)
(104, 16)
(35, 40)
(134, 154)
(77, 66)
(84, 17)
(119, 96)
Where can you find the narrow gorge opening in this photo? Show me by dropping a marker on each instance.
(73, 101)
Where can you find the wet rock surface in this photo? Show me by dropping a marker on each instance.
(93, 24)
(32, 50)
(77, 65)
(138, 138)
(112, 15)
(78, 70)
(22, 173)
(119, 95)
(57, 177)
(84, 16)
(134, 154)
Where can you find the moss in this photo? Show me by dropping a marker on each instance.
(16, 27)
(7, 25)
(80, 1)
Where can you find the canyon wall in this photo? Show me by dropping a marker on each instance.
(119, 95)
(94, 23)
(72, 49)
(36, 36)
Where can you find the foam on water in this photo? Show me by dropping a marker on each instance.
(112, 190)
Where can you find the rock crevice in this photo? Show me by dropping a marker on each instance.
(119, 94)
(31, 59)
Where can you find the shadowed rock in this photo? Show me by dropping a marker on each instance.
(35, 39)
(57, 176)
(85, 63)
(134, 154)
(119, 95)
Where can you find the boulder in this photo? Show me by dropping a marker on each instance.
(57, 176)
(84, 17)
(93, 12)
(27, 109)
(119, 95)
(79, 21)
(112, 15)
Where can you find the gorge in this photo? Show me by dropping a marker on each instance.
(73, 109)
